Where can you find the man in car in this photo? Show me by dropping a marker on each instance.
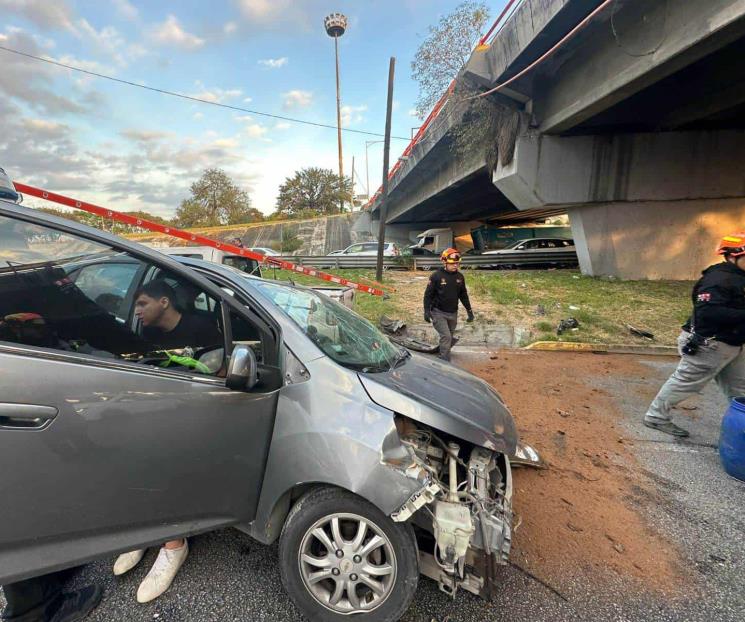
(446, 287)
(713, 339)
(164, 325)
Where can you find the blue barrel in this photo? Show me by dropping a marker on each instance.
(732, 439)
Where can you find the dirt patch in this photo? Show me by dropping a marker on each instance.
(581, 517)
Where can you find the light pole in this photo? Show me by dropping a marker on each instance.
(367, 168)
(336, 25)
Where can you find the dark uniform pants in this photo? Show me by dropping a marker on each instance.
(445, 324)
(30, 600)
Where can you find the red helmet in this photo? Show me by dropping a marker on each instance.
(733, 244)
(450, 255)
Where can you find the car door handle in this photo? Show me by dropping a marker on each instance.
(25, 416)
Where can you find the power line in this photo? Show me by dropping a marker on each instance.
(189, 97)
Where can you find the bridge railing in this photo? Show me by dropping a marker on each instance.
(340, 262)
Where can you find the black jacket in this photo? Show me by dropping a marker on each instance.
(719, 304)
(444, 290)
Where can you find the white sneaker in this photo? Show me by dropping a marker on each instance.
(163, 572)
(126, 561)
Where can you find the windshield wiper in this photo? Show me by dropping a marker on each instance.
(400, 358)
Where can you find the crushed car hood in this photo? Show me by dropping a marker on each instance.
(447, 399)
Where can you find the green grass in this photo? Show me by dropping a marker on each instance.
(368, 306)
(602, 306)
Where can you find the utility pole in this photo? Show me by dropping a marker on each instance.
(386, 154)
(336, 26)
(352, 184)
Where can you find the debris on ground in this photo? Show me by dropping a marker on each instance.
(397, 333)
(640, 332)
(567, 324)
(540, 310)
(391, 326)
(583, 517)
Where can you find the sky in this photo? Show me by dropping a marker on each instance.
(131, 149)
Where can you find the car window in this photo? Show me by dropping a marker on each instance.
(373, 246)
(347, 338)
(108, 285)
(552, 244)
(62, 292)
(355, 248)
(244, 264)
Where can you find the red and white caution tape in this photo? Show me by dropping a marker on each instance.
(190, 237)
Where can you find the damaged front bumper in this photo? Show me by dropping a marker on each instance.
(462, 512)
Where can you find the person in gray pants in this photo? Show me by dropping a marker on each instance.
(446, 287)
(711, 344)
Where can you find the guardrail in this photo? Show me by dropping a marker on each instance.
(561, 258)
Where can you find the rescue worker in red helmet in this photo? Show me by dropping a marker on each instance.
(711, 344)
(446, 287)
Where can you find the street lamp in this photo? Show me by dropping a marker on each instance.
(335, 25)
(367, 168)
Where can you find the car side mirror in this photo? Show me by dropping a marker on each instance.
(242, 369)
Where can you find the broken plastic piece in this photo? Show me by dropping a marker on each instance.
(525, 455)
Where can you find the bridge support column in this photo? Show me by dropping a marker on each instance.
(653, 239)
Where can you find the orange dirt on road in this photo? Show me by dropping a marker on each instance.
(581, 516)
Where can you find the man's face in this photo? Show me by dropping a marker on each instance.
(451, 267)
(150, 310)
(740, 262)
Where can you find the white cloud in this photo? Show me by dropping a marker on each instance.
(170, 32)
(126, 9)
(247, 100)
(262, 10)
(197, 116)
(214, 95)
(297, 99)
(229, 28)
(413, 113)
(45, 14)
(107, 40)
(255, 130)
(282, 125)
(352, 114)
(274, 63)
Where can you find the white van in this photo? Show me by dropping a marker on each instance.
(207, 253)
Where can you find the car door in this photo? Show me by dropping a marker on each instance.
(355, 249)
(102, 454)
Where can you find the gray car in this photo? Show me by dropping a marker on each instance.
(303, 423)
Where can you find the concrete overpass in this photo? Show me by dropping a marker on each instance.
(635, 127)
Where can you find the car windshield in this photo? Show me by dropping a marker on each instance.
(344, 336)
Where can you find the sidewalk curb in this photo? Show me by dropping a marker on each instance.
(570, 346)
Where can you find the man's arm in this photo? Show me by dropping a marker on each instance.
(429, 297)
(463, 296)
(711, 307)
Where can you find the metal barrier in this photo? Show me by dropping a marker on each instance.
(561, 258)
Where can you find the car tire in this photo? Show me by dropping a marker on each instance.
(316, 510)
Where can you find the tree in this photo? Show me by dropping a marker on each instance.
(445, 51)
(313, 191)
(110, 225)
(216, 200)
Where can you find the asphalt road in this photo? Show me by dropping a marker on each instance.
(229, 577)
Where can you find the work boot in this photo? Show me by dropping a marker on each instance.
(163, 572)
(126, 561)
(74, 606)
(454, 341)
(668, 427)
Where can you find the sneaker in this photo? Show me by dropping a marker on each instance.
(163, 572)
(126, 561)
(74, 606)
(668, 427)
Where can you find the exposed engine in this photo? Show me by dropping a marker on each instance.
(465, 507)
